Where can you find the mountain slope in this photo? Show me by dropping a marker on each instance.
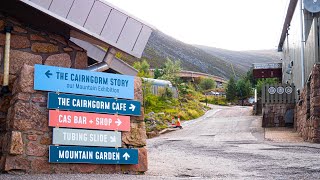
(243, 59)
(161, 46)
(204, 59)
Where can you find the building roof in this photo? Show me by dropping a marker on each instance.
(99, 20)
(287, 21)
(98, 54)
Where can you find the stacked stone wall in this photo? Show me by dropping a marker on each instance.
(308, 116)
(29, 46)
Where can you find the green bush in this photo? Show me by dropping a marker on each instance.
(218, 100)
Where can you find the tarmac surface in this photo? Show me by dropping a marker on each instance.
(226, 143)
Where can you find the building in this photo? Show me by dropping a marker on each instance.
(299, 45)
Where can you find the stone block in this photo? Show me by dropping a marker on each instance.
(315, 111)
(315, 99)
(53, 42)
(81, 60)
(39, 98)
(138, 93)
(19, 29)
(63, 168)
(35, 149)
(16, 143)
(107, 168)
(315, 92)
(16, 163)
(87, 168)
(25, 81)
(32, 137)
(19, 58)
(35, 37)
(62, 60)
(40, 165)
(21, 96)
(136, 136)
(28, 116)
(44, 47)
(67, 49)
(142, 166)
(58, 38)
(19, 42)
(45, 140)
(5, 142)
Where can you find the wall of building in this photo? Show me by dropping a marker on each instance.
(292, 48)
(24, 133)
(311, 45)
(291, 52)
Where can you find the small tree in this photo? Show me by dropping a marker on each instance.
(207, 83)
(244, 89)
(231, 90)
(250, 78)
(171, 70)
(261, 82)
(143, 68)
(157, 73)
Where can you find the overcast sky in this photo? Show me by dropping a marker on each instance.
(227, 24)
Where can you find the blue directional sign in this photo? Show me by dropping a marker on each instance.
(92, 155)
(58, 79)
(72, 102)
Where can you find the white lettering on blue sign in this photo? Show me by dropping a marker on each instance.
(93, 155)
(93, 104)
(91, 79)
(58, 79)
(115, 156)
(65, 154)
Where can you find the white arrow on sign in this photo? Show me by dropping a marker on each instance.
(118, 122)
(112, 139)
(126, 156)
(132, 107)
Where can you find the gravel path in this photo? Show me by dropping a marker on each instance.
(226, 143)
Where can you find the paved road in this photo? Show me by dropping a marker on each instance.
(226, 143)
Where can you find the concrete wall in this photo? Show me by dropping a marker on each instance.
(24, 132)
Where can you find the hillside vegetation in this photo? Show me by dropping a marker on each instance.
(200, 58)
(161, 46)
